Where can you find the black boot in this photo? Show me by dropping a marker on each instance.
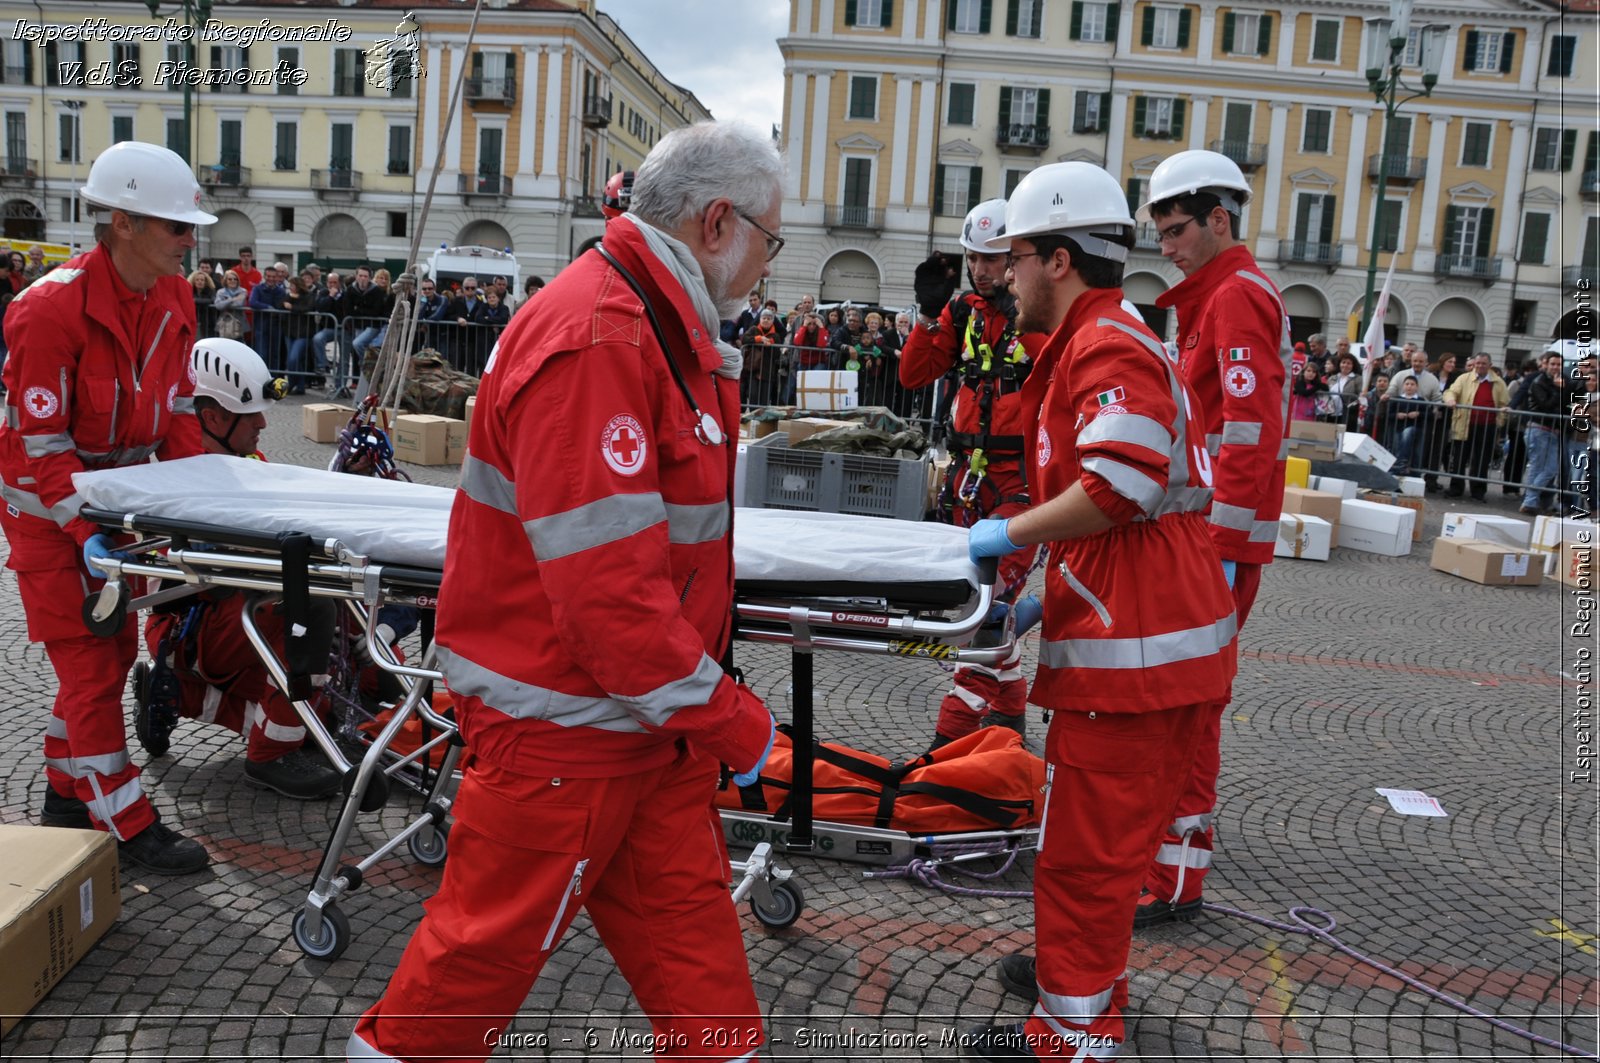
(997, 1042)
(298, 774)
(163, 850)
(939, 742)
(1018, 976)
(64, 812)
(1018, 723)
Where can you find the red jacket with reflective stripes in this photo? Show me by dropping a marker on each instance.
(98, 376)
(1138, 617)
(1233, 348)
(588, 580)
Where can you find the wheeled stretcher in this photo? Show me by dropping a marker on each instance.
(290, 534)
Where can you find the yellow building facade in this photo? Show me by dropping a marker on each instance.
(902, 114)
(316, 127)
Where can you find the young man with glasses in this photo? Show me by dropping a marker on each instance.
(99, 378)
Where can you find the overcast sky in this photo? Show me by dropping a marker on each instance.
(725, 53)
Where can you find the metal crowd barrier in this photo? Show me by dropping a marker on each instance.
(769, 379)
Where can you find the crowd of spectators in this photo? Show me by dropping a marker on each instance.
(17, 271)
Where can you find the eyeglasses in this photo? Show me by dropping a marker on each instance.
(468, 288)
(176, 228)
(1172, 232)
(774, 241)
(1012, 256)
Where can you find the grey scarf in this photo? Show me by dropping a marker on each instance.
(674, 255)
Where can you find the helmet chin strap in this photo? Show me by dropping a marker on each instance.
(222, 440)
(998, 287)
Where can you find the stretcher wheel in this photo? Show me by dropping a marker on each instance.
(112, 624)
(335, 936)
(786, 905)
(430, 853)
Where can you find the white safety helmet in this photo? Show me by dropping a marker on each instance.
(1072, 199)
(983, 221)
(139, 178)
(235, 376)
(1193, 171)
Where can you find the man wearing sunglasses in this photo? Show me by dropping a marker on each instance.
(98, 378)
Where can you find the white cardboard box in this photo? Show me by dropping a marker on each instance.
(1305, 537)
(1365, 449)
(1376, 528)
(1550, 532)
(1335, 486)
(826, 389)
(1413, 486)
(1507, 531)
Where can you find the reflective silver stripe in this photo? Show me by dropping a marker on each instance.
(1149, 652)
(1186, 500)
(488, 486)
(1150, 343)
(13, 417)
(1234, 518)
(42, 445)
(65, 510)
(1079, 1010)
(106, 806)
(213, 702)
(1241, 433)
(182, 404)
(1264, 531)
(357, 1049)
(605, 520)
(704, 523)
(657, 706)
(1085, 593)
(61, 764)
(524, 701)
(1283, 450)
(1126, 481)
(1213, 443)
(1088, 1046)
(1183, 856)
(1131, 428)
(99, 764)
(1184, 824)
(56, 728)
(277, 732)
(26, 501)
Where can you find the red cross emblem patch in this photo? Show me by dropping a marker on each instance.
(41, 402)
(622, 444)
(1240, 381)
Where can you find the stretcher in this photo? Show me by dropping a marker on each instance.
(292, 535)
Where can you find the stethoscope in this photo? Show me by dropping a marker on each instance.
(706, 430)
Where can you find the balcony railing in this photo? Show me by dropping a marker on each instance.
(1472, 267)
(1572, 276)
(1397, 167)
(867, 219)
(16, 171)
(335, 180)
(1028, 136)
(224, 175)
(597, 111)
(1590, 183)
(1145, 237)
(399, 167)
(502, 89)
(1247, 154)
(497, 186)
(586, 207)
(1310, 252)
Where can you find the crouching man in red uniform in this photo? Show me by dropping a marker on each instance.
(585, 607)
(99, 378)
(1138, 636)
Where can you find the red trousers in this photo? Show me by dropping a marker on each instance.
(642, 854)
(1114, 779)
(1181, 863)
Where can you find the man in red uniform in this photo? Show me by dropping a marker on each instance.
(220, 677)
(1233, 342)
(99, 377)
(972, 342)
(1138, 636)
(584, 661)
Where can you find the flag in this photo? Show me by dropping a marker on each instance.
(1106, 398)
(1238, 354)
(1374, 337)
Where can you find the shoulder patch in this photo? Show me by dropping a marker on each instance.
(1239, 381)
(623, 445)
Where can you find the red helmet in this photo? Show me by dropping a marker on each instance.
(619, 191)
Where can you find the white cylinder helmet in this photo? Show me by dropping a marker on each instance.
(1193, 171)
(983, 221)
(140, 178)
(1073, 199)
(234, 375)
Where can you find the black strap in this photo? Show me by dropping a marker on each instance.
(964, 441)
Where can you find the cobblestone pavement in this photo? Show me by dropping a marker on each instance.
(1360, 673)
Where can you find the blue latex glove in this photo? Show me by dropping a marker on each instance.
(1228, 571)
(98, 548)
(1030, 611)
(748, 778)
(988, 538)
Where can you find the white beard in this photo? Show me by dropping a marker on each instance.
(719, 277)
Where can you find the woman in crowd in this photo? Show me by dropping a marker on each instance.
(496, 316)
(229, 304)
(205, 303)
(299, 327)
(1346, 383)
(1375, 409)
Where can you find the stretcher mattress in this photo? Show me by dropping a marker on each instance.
(777, 553)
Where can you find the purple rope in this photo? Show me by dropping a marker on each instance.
(927, 873)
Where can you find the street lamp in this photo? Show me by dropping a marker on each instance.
(192, 10)
(1384, 47)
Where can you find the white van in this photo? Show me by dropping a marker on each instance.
(448, 265)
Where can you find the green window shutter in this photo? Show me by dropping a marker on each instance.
(1077, 20)
(1011, 17)
(1139, 108)
(950, 13)
(1080, 112)
(1328, 204)
(1507, 52)
(975, 188)
(1043, 118)
(1147, 27)
(938, 186)
(1135, 188)
(1177, 117)
(1569, 146)
(849, 12)
(1450, 247)
(1183, 29)
(1105, 112)
(1113, 15)
(1264, 38)
(1228, 23)
(1591, 160)
(1302, 218)
(477, 64)
(1485, 232)
(1469, 55)
(511, 65)
(888, 14)
(1005, 105)
(985, 16)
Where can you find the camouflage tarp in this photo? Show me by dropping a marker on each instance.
(434, 387)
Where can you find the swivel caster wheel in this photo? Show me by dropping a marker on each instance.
(333, 940)
(784, 908)
(430, 853)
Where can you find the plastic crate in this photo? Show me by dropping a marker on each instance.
(817, 481)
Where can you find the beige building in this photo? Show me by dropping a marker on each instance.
(901, 114)
(315, 127)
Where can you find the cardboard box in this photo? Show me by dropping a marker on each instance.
(1550, 532)
(1376, 528)
(1575, 565)
(455, 441)
(321, 422)
(1413, 486)
(1507, 531)
(1394, 498)
(472, 403)
(59, 893)
(421, 438)
(1306, 503)
(805, 427)
(826, 389)
(1366, 450)
(1335, 486)
(1303, 537)
(1297, 472)
(761, 429)
(1314, 440)
(1492, 564)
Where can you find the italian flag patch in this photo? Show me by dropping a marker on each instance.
(1238, 354)
(1106, 398)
